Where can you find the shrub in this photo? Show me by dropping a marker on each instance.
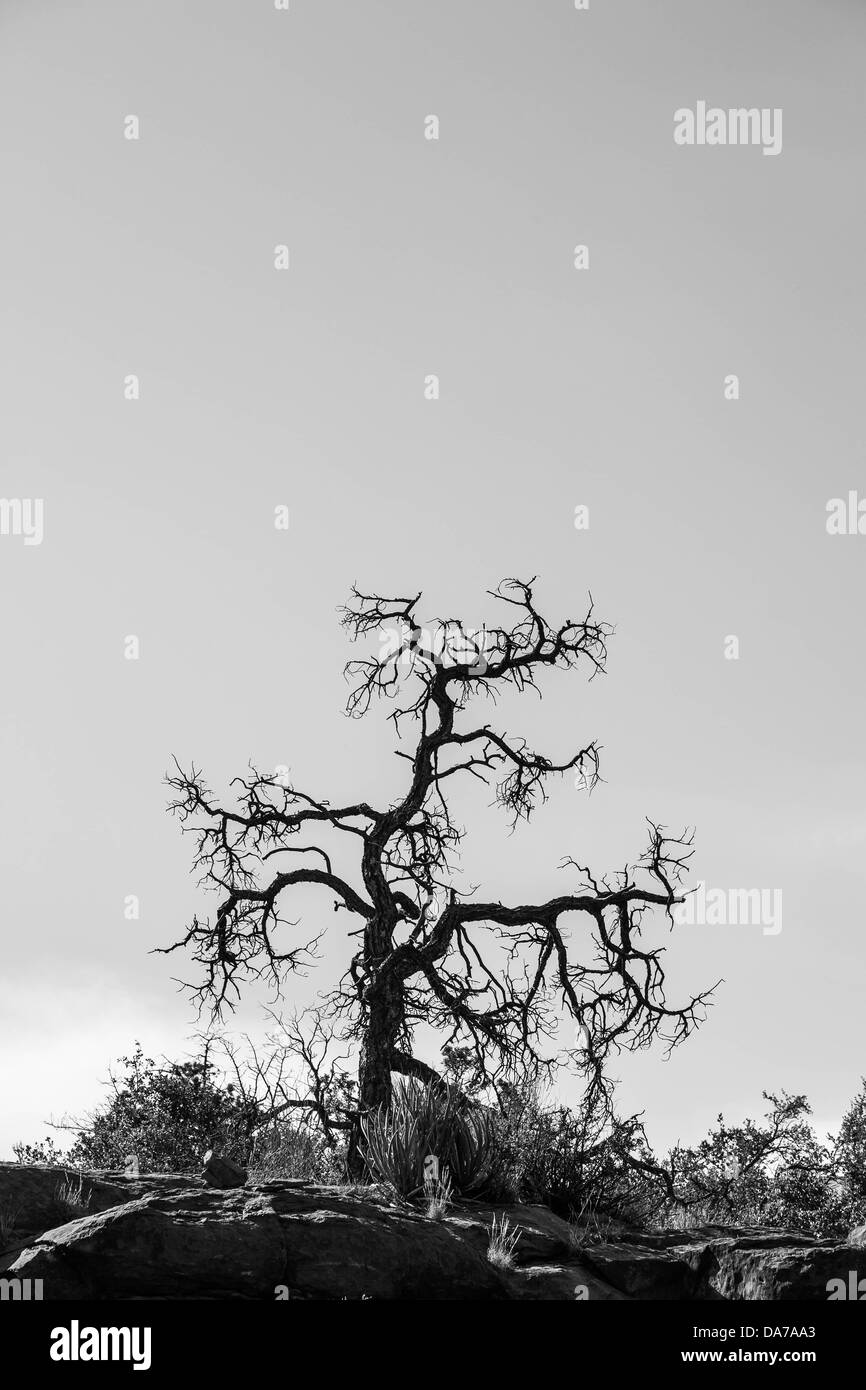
(46, 1153)
(167, 1115)
(774, 1173)
(422, 1120)
(586, 1165)
(570, 1160)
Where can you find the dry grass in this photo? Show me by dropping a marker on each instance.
(587, 1227)
(437, 1195)
(503, 1243)
(71, 1200)
(10, 1210)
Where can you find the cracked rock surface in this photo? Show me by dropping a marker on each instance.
(170, 1236)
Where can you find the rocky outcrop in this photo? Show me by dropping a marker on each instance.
(641, 1272)
(167, 1236)
(279, 1239)
(33, 1200)
(756, 1263)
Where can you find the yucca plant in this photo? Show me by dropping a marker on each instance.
(472, 1151)
(423, 1120)
(395, 1149)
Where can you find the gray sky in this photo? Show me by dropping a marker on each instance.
(601, 387)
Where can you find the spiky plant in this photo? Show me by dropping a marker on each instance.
(424, 1120)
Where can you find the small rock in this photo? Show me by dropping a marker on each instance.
(132, 1169)
(222, 1172)
(858, 1236)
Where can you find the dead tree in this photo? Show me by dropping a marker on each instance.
(494, 977)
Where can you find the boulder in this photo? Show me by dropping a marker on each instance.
(744, 1270)
(322, 1243)
(755, 1263)
(639, 1272)
(222, 1172)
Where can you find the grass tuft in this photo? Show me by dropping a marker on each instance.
(503, 1243)
(71, 1200)
(437, 1194)
(10, 1210)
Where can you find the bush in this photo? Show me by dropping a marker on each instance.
(168, 1116)
(46, 1153)
(774, 1173)
(569, 1160)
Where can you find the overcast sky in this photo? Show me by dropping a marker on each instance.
(602, 387)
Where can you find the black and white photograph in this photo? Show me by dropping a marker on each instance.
(433, 542)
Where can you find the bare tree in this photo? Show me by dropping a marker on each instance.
(298, 1075)
(494, 977)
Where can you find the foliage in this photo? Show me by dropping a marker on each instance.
(774, 1173)
(45, 1152)
(168, 1116)
(598, 1170)
(423, 1120)
(570, 1160)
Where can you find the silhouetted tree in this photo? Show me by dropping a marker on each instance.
(492, 977)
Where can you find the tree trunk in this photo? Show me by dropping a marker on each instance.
(374, 1071)
(380, 1040)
